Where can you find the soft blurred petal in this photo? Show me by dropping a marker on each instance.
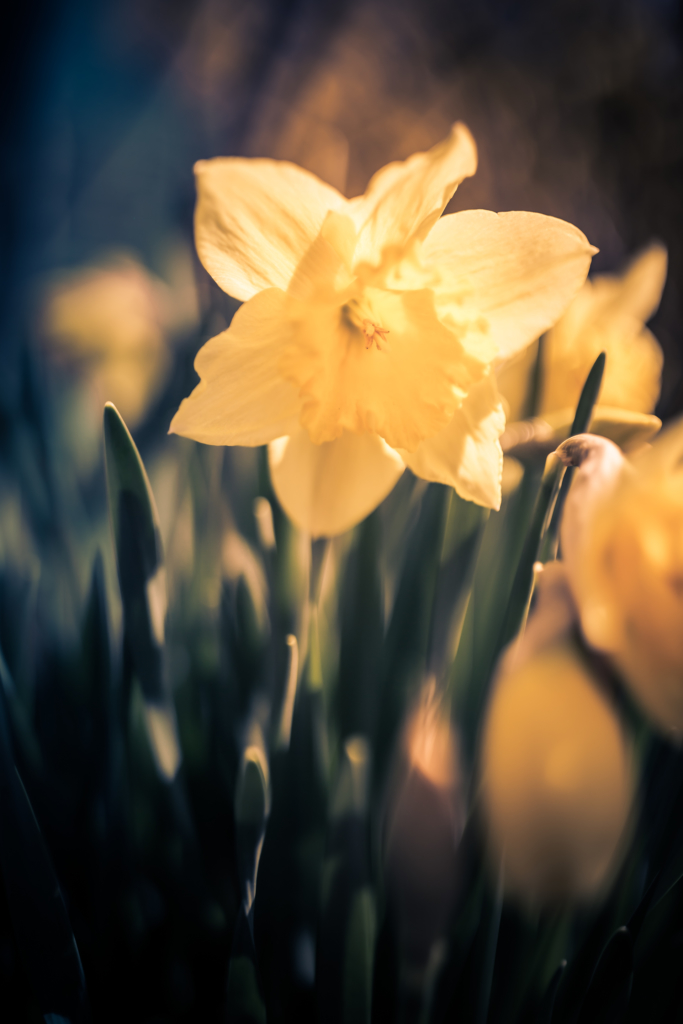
(642, 284)
(608, 315)
(627, 576)
(557, 777)
(467, 454)
(508, 276)
(328, 488)
(255, 220)
(242, 398)
(109, 322)
(404, 199)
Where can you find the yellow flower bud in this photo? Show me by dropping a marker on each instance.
(627, 576)
(557, 781)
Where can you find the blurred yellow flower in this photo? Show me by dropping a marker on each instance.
(608, 314)
(557, 780)
(624, 554)
(111, 322)
(369, 326)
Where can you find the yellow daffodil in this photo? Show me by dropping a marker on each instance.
(110, 321)
(622, 536)
(369, 326)
(557, 778)
(608, 314)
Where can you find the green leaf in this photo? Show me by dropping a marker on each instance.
(359, 958)
(244, 1002)
(252, 806)
(362, 633)
(40, 922)
(463, 531)
(607, 997)
(545, 1010)
(541, 540)
(347, 925)
(140, 562)
(584, 412)
(407, 640)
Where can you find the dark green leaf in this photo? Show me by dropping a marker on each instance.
(607, 997)
(139, 558)
(41, 925)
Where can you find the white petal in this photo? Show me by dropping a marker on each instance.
(467, 454)
(517, 271)
(255, 220)
(404, 199)
(242, 398)
(328, 488)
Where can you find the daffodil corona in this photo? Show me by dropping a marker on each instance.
(369, 326)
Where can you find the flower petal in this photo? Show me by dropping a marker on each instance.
(328, 488)
(608, 315)
(517, 271)
(467, 454)
(255, 220)
(241, 398)
(643, 282)
(405, 198)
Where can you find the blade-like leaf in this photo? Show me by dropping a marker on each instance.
(140, 562)
(41, 925)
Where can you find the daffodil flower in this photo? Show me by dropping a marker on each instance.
(622, 539)
(608, 314)
(369, 326)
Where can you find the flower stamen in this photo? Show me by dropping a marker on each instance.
(373, 332)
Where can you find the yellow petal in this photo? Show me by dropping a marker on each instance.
(643, 282)
(241, 398)
(516, 271)
(328, 488)
(255, 220)
(405, 388)
(467, 454)
(405, 198)
(608, 315)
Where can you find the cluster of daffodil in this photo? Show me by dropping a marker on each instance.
(444, 714)
(378, 335)
(371, 338)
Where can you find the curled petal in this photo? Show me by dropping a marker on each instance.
(466, 454)
(517, 271)
(328, 488)
(255, 220)
(241, 398)
(405, 198)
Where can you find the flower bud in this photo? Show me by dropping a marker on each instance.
(424, 825)
(557, 781)
(626, 568)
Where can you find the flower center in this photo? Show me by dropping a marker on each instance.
(368, 325)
